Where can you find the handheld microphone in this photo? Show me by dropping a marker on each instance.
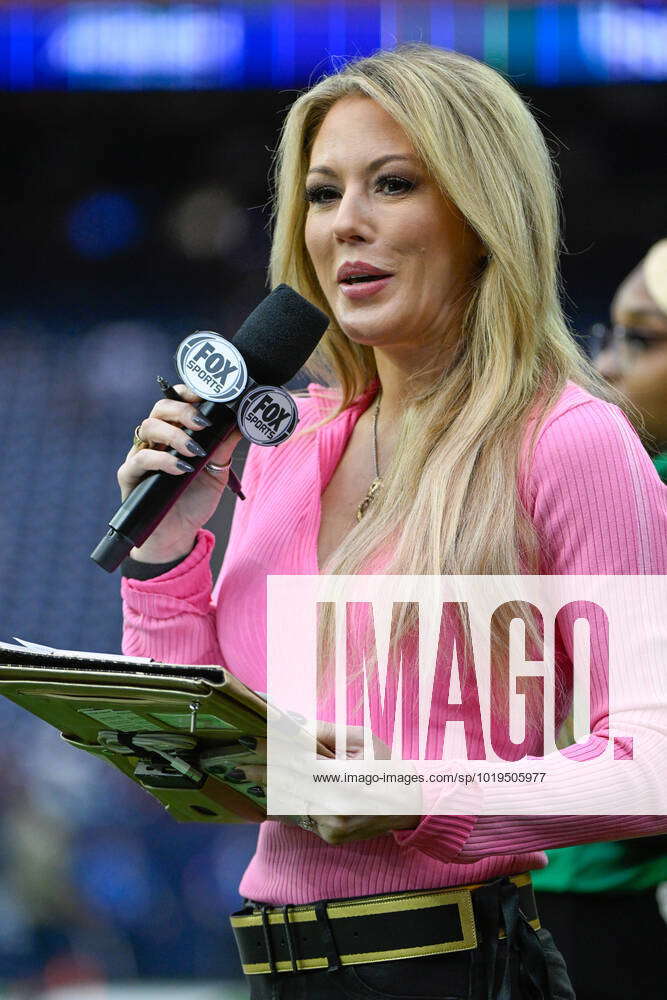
(236, 380)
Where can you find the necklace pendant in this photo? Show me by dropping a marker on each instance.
(365, 503)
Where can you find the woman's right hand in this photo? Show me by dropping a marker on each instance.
(164, 428)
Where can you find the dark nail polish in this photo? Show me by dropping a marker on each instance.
(234, 484)
(184, 466)
(201, 421)
(257, 790)
(195, 448)
(248, 741)
(236, 774)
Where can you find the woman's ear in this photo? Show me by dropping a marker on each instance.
(480, 249)
(483, 257)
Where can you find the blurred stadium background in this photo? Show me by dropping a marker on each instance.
(137, 143)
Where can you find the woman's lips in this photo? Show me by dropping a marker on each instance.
(364, 289)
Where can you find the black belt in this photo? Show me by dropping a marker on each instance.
(331, 933)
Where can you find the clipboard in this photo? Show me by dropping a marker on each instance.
(161, 724)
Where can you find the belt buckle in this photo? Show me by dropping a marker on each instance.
(461, 898)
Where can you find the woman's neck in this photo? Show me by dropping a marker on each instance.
(394, 374)
(397, 367)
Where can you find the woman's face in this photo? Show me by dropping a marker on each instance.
(372, 205)
(639, 367)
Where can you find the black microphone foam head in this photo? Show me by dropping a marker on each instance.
(279, 336)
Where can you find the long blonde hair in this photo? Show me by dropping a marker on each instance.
(450, 502)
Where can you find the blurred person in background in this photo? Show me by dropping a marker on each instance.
(632, 353)
(421, 173)
(612, 888)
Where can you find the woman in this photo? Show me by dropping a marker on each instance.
(632, 353)
(456, 375)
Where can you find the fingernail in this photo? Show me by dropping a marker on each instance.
(184, 466)
(248, 741)
(234, 484)
(236, 774)
(201, 421)
(257, 790)
(195, 448)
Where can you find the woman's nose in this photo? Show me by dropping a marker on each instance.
(353, 219)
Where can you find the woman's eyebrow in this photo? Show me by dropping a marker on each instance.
(381, 160)
(631, 316)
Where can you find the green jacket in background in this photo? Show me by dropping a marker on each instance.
(618, 866)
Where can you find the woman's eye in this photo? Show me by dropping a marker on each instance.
(639, 340)
(316, 195)
(395, 185)
(323, 194)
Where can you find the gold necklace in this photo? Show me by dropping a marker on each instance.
(377, 482)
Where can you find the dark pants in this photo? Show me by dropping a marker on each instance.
(614, 944)
(454, 976)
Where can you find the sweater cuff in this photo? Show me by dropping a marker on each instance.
(451, 810)
(137, 570)
(189, 582)
(440, 837)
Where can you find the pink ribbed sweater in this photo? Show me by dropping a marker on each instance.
(596, 501)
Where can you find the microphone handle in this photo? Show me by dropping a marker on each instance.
(152, 498)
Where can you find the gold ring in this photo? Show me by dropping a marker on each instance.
(137, 441)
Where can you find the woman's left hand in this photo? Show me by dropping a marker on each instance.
(342, 829)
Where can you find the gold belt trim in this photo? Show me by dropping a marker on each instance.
(459, 896)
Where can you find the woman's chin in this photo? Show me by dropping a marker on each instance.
(371, 335)
(375, 342)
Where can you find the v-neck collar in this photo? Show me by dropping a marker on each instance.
(332, 441)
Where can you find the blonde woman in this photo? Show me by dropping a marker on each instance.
(416, 205)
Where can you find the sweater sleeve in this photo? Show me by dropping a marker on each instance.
(172, 617)
(599, 508)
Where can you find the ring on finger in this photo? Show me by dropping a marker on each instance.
(213, 468)
(137, 441)
(307, 823)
